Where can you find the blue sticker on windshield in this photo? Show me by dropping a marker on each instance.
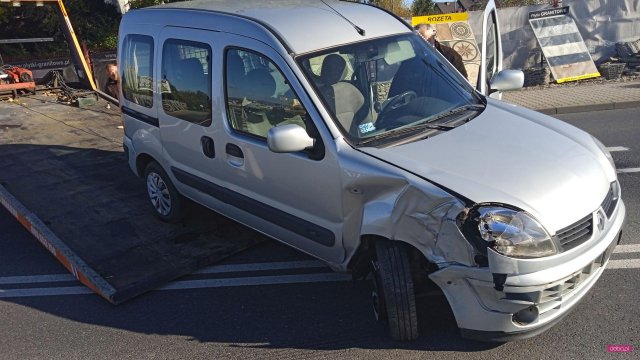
(366, 127)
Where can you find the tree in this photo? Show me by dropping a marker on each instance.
(397, 7)
(93, 21)
(422, 7)
(137, 4)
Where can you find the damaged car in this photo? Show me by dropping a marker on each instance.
(362, 146)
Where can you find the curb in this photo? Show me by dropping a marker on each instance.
(588, 107)
(72, 262)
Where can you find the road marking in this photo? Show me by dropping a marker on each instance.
(215, 269)
(617, 148)
(233, 282)
(53, 291)
(256, 280)
(189, 284)
(36, 279)
(629, 170)
(624, 264)
(284, 265)
(631, 248)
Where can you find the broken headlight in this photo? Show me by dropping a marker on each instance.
(510, 232)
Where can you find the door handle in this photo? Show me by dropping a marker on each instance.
(234, 150)
(235, 157)
(208, 148)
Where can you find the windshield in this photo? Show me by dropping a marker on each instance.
(384, 86)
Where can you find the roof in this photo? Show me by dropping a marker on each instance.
(303, 25)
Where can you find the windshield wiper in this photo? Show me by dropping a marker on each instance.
(427, 123)
(404, 130)
(454, 111)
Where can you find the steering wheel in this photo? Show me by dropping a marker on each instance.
(394, 103)
(397, 101)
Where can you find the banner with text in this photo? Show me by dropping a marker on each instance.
(454, 31)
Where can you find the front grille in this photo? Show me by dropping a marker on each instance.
(552, 297)
(577, 233)
(611, 200)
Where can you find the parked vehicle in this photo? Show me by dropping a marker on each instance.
(272, 113)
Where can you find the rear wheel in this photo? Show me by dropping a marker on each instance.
(394, 299)
(164, 199)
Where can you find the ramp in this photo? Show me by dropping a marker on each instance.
(64, 176)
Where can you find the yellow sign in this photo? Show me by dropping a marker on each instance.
(581, 77)
(440, 18)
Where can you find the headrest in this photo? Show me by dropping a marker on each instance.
(398, 52)
(191, 67)
(334, 69)
(235, 66)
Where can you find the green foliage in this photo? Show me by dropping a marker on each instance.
(514, 3)
(94, 22)
(422, 7)
(137, 4)
(398, 7)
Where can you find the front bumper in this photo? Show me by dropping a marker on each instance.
(530, 303)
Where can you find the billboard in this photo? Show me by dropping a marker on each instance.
(454, 31)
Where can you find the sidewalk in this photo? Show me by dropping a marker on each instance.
(572, 98)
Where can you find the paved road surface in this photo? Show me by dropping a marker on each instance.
(294, 307)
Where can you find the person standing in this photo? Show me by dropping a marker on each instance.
(428, 33)
(111, 86)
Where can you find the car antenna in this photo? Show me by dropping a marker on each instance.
(358, 29)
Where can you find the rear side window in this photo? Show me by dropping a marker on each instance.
(259, 97)
(186, 80)
(137, 70)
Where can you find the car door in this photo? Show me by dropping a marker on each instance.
(185, 93)
(491, 51)
(294, 197)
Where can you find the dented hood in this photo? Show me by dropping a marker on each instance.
(513, 156)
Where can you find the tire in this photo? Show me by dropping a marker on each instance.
(394, 298)
(165, 202)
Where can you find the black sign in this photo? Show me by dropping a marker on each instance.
(51, 64)
(549, 12)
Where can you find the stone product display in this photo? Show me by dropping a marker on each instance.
(562, 45)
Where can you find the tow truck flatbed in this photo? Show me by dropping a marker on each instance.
(64, 176)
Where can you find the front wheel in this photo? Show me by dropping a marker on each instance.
(164, 199)
(394, 299)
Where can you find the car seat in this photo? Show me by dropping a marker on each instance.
(342, 97)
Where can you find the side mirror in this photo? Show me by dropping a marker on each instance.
(288, 138)
(507, 80)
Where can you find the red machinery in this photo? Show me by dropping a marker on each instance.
(13, 78)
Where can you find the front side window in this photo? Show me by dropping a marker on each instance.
(186, 81)
(388, 87)
(137, 69)
(258, 95)
(492, 47)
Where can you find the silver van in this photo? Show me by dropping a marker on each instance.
(332, 127)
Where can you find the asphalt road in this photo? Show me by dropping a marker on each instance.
(294, 307)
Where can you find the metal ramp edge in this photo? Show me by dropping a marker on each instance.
(72, 262)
